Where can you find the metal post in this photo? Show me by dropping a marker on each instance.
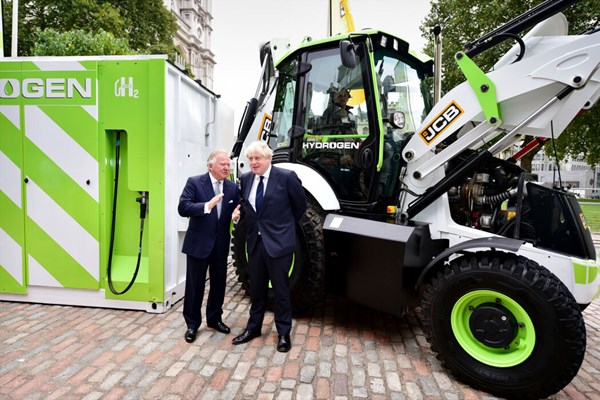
(15, 27)
(437, 73)
(1, 30)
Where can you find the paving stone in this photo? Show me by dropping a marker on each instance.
(307, 373)
(342, 351)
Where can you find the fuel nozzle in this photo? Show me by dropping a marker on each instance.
(143, 200)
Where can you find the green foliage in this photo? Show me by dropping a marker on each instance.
(77, 42)
(591, 210)
(581, 137)
(145, 25)
(465, 21)
(148, 24)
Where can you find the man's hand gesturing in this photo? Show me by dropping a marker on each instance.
(213, 202)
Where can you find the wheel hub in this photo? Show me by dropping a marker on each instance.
(493, 325)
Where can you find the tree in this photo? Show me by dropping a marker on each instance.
(465, 21)
(146, 25)
(77, 42)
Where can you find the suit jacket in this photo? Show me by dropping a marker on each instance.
(284, 204)
(206, 230)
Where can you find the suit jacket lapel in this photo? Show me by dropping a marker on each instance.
(207, 186)
(227, 189)
(249, 179)
(271, 184)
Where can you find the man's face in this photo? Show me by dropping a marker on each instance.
(259, 164)
(221, 168)
(342, 97)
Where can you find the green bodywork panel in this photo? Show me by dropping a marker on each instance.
(482, 86)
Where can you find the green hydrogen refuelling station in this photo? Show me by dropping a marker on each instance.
(94, 153)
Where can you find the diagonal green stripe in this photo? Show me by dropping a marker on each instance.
(11, 219)
(90, 65)
(592, 273)
(18, 66)
(580, 273)
(62, 189)
(11, 140)
(11, 66)
(77, 123)
(8, 284)
(56, 260)
(29, 66)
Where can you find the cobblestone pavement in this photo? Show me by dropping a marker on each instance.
(343, 351)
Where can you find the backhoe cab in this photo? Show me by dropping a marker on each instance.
(413, 203)
(345, 107)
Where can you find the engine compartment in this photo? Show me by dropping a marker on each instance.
(501, 198)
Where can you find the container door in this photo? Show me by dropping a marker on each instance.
(12, 214)
(51, 196)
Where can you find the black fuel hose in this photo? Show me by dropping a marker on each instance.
(143, 208)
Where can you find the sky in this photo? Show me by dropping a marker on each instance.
(240, 26)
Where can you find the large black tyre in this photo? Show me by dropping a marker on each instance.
(504, 324)
(307, 274)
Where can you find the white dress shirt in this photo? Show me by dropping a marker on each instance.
(252, 198)
(207, 210)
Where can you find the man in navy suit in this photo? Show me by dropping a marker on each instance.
(273, 201)
(210, 201)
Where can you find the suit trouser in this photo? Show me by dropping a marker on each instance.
(262, 267)
(194, 289)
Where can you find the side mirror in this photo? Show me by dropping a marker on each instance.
(264, 50)
(296, 131)
(397, 119)
(304, 68)
(348, 54)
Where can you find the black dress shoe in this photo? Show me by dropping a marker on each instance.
(245, 337)
(219, 326)
(190, 335)
(284, 343)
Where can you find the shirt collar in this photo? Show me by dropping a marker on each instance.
(212, 179)
(265, 175)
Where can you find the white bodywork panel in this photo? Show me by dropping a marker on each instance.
(315, 185)
(522, 88)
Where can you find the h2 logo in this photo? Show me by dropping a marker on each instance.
(124, 87)
(441, 122)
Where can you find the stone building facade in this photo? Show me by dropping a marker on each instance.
(194, 18)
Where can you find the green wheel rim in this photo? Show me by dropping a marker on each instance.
(514, 354)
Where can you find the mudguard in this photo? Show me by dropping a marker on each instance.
(511, 245)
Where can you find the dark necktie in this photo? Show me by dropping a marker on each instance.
(259, 194)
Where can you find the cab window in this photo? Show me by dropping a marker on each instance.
(400, 90)
(283, 110)
(335, 122)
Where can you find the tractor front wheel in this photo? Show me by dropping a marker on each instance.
(504, 324)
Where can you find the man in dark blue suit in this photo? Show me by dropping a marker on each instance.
(210, 201)
(273, 201)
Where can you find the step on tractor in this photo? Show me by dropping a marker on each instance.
(415, 203)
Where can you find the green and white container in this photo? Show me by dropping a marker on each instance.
(60, 118)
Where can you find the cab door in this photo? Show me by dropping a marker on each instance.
(336, 123)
